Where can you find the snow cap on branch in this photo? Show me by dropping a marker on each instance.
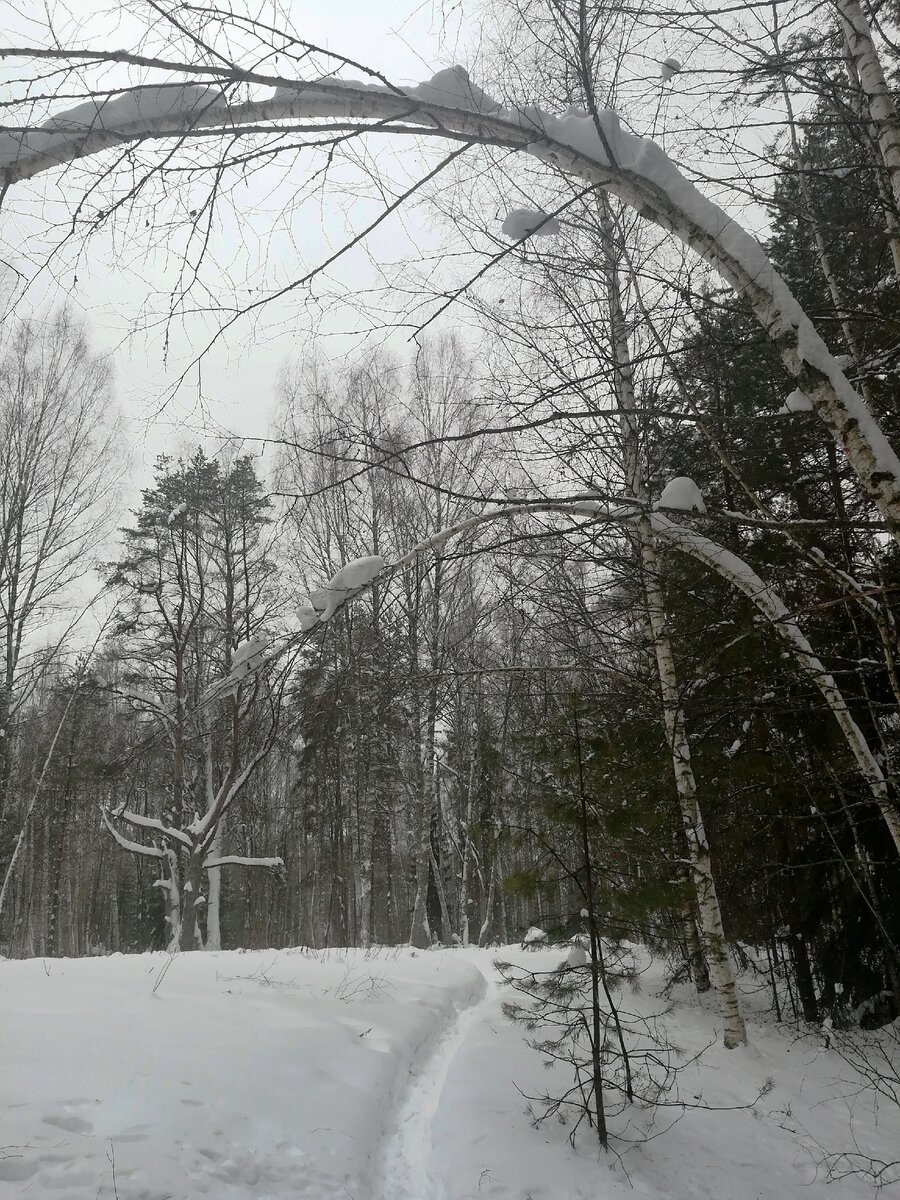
(534, 936)
(453, 88)
(147, 103)
(352, 577)
(796, 402)
(682, 493)
(137, 104)
(450, 87)
(306, 617)
(178, 511)
(248, 656)
(527, 222)
(576, 957)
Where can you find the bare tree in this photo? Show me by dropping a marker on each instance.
(59, 477)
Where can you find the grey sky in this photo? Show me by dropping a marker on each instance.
(120, 282)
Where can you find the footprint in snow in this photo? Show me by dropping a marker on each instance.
(69, 1124)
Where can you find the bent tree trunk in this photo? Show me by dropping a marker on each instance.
(595, 149)
(742, 576)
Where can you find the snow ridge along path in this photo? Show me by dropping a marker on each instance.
(402, 1166)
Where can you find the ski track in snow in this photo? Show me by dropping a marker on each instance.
(403, 1166)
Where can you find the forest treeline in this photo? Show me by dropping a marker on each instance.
(710, 706)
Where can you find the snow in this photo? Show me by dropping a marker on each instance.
(248, 657)
(669, 67)
(352, 577)
(576, 957)
(306, 617)
(796, 402)
(139, 104)
(534, 936)
(452, 87)
(524, 222)
(152, 102)
(381, 1075)
(682, 493)
(178, 511)
(240, 860)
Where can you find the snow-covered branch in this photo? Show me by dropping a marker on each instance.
(730, 567)
(203, 828)
(240, 860)
(594, 148)
(152, 823)
(127, 844)
(745, 579)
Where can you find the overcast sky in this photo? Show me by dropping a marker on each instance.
(264, 238)
(119, 283)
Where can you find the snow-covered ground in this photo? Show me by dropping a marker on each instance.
(386, 1075)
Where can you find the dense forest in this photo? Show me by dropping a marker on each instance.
(573, 613)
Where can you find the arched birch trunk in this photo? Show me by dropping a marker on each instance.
(737, 572)
(593, 148)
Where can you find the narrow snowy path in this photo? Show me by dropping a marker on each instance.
(402, 1171)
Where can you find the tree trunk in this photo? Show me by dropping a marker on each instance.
(711, 928)
(214, 895)
(712, 933)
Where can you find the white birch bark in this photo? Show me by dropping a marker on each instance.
(742, 576)
(712, 934)
(214, 895)
(466, 852)
(712, 931)
(874, 86)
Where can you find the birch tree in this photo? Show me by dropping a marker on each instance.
(589, 145)
(58, 483)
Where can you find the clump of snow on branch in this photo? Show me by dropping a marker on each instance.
(149, 103)
(669, 67)
(534, 936)
(576, 957)
(306, 617)
(527, 222)
(796, 402)
(682, 493)
(178, 511)
(248, 657)
(352, 577)
(450, 88)
(453, 88)
(140, 103)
